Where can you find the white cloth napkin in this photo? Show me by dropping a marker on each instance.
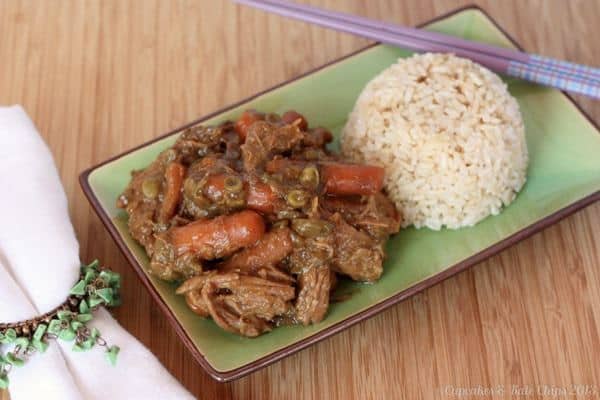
(39, 263)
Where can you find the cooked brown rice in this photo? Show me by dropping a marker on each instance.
(449, 135)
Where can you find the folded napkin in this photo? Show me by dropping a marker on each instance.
(39, 263)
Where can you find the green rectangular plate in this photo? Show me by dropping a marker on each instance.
(564, 175)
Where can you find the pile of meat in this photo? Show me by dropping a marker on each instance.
(256, 217)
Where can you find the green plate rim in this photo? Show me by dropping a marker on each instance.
(225, 376)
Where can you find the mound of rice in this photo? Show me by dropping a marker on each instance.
(449, 135)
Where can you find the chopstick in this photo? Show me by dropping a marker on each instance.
(559, 74)
(441, 39)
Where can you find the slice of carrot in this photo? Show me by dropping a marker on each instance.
(351, 179)
(220, 236)
(271, 249)
(174, 174)
(247, 118)
(260, 197)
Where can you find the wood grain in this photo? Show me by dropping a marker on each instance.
(99, 77)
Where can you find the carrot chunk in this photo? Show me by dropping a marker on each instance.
(220, 236)
(338, 178)
(245, 121)
(261, 197)
(174, 174)
(271, 249)
(351, 179)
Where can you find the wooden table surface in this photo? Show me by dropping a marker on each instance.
(99, 77)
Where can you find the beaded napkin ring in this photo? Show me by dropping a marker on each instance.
(68, 322)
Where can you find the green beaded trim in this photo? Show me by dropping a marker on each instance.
(68, 322)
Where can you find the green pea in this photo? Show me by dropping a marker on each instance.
(296, 198)
(150, 188)
(236, 203)
(311, 227)
(280, 224)
(288, 214)
(311, 154)
(310, 176)
(233, 184)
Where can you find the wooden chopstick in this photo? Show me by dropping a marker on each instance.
(562, 75)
